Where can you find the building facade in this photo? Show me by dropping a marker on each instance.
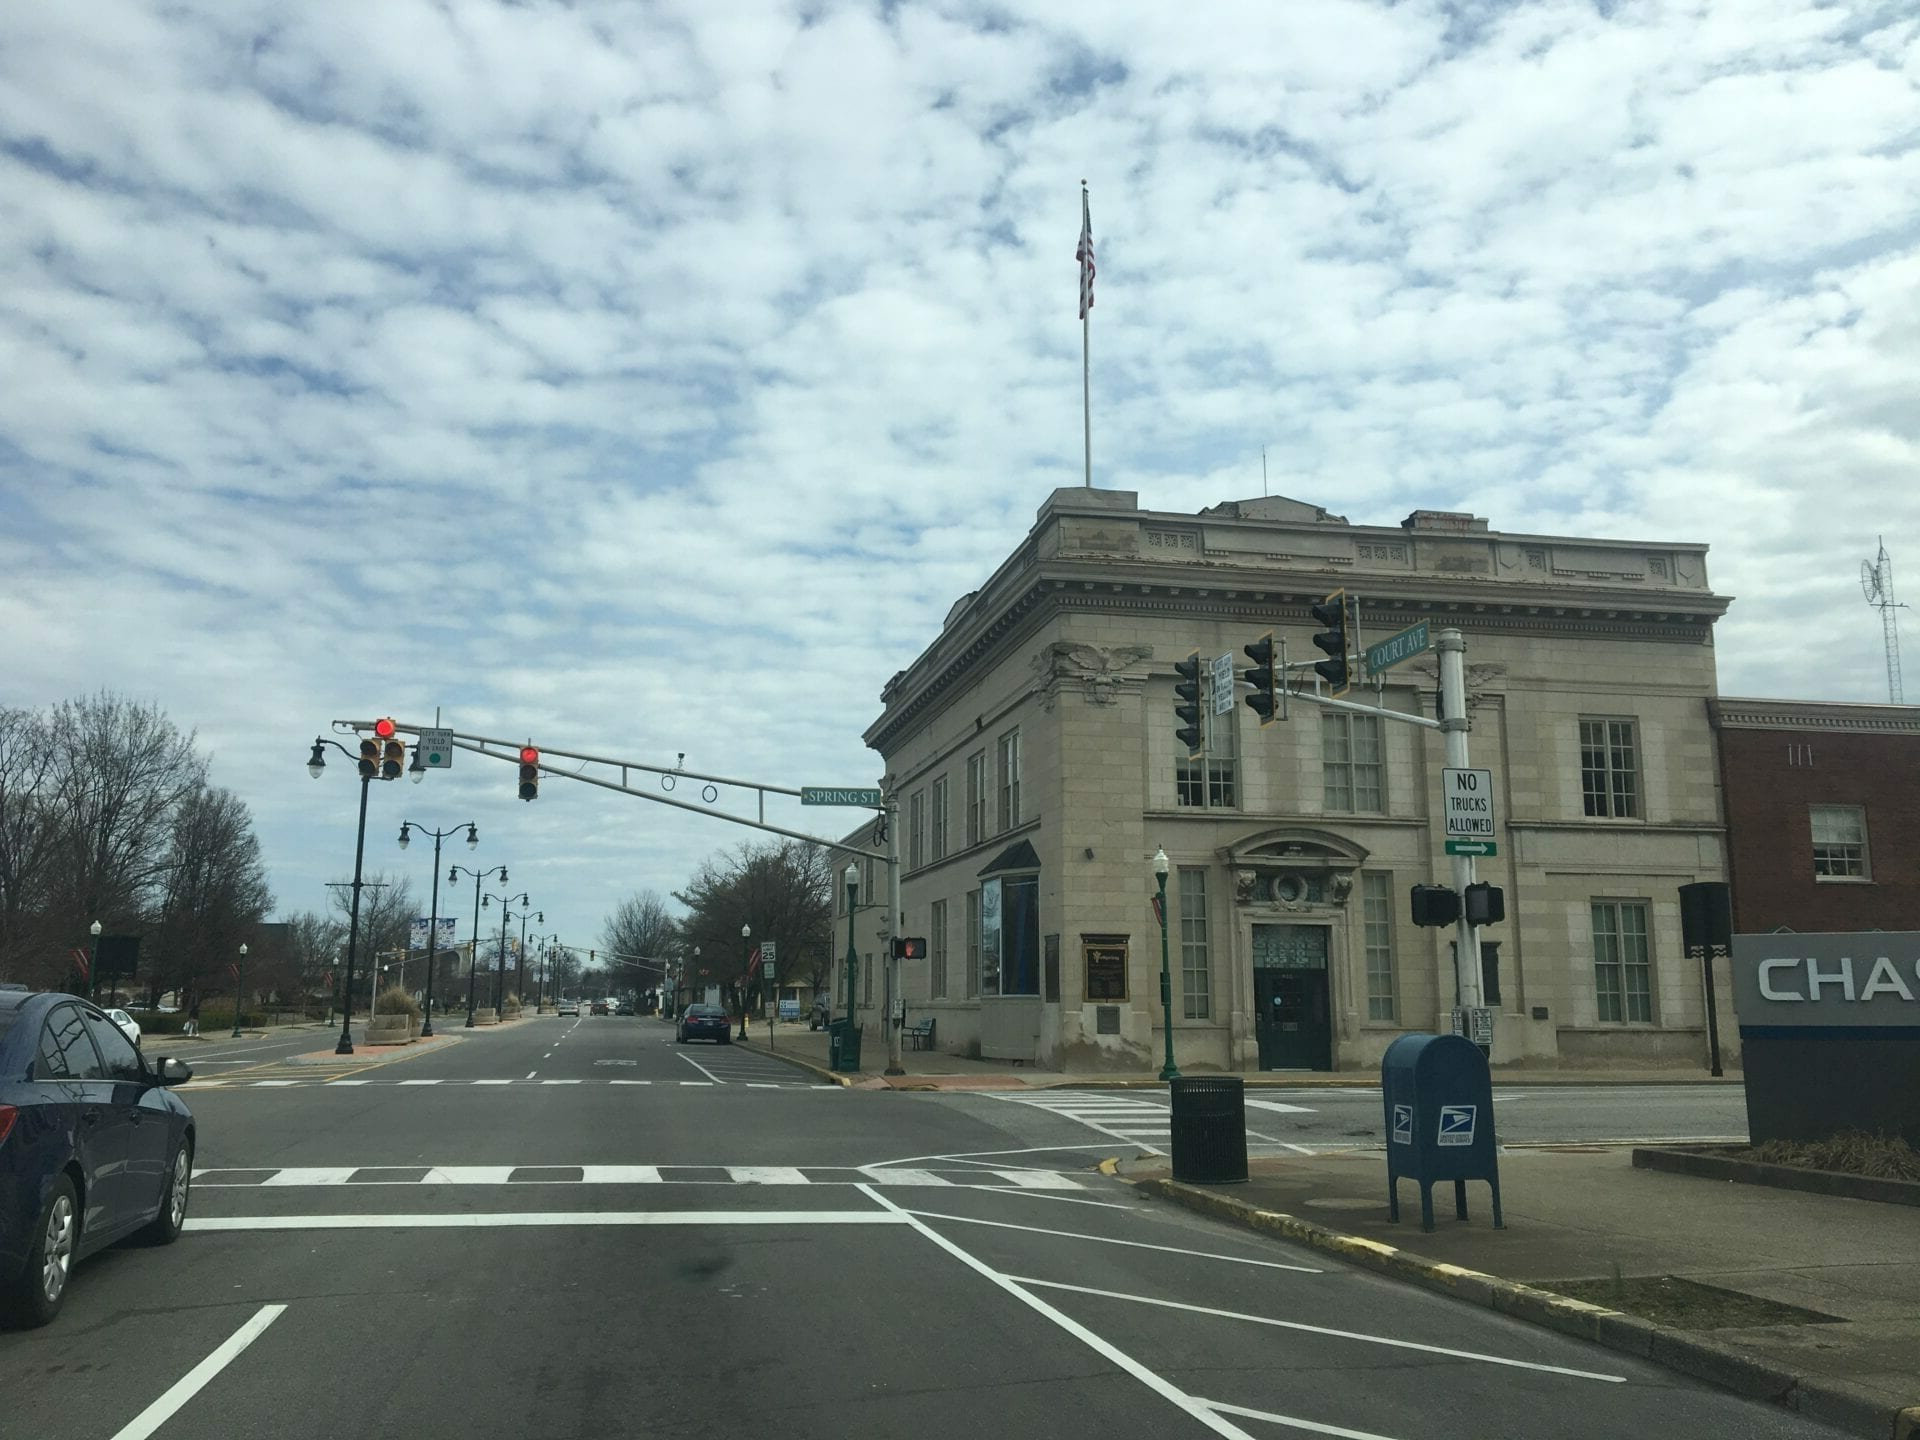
(1823, 814)
(1031, 752)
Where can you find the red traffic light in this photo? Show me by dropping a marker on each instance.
(529, 755)
(385, 729)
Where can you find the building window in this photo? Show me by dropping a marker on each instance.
(916, 829)
(1609, 768)
(1376, 899)
(1622, 965)
(1009, 780)
(1207, 779)
(1350, 761)
(1839, 842)
(973, 944)
(976, 797)
(867, 985)
(937, 945)
(940, 818)
(1196, 971)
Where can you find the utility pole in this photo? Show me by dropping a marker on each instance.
(1453, 727)
(896, 925)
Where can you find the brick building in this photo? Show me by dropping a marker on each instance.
(1823, 813)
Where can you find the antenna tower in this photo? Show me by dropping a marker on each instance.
(1876, 583)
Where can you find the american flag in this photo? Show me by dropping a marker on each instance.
(1085, 256)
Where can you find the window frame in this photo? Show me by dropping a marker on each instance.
(937, 946)
(1623, 996)
(973, 944)
(1608, 792)
(1196, 944)
(976, 797)
(1211, 780)
(937, 824)
(1863, 860)
(916, 829)
(1007, 803)
(1382, 982)
(1348, 766)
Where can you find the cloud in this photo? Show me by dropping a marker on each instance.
(652, 379)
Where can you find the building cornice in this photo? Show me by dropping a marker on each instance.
(1833, 716)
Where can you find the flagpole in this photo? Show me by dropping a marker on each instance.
(1086, 369)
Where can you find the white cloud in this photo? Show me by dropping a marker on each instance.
(653, 379)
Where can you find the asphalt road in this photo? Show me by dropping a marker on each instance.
(579, 1229)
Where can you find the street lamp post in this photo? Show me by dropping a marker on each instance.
(520, 976)
(239, 991)
(746, 959)
(93, 963)
(473, 935)
(433, 918)
(1168, 1071)
(853, 954)
(316, 762)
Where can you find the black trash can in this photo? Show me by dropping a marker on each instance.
(1209, 1129)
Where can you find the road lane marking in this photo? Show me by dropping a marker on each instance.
(499, 1082)
(1109, 1240)
(702, 1082)
(1221, 1407)
(190, 1384)
(347, 1082)
(554, 1218)
(1039, 1179)
(702, 1069)
(1324, 1330)
(311, 1175)
(561, 1082)
(620, 1174)
(1018, 1182)
(419, 1082)
(906, 1177)
(1155, 1382)
(767, 1175)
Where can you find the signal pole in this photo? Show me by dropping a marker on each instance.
(1453, 728)
(896, 923)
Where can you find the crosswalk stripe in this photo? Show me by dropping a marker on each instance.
(341, 1176)
(907, 1177)
(767, 1175)
(620, 1174)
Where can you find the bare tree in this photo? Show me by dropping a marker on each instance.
(386, 911)
(214, 893)
(26, 836)
(641, 927)
(782, 890)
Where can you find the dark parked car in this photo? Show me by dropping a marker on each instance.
(599, 1007)
(626, 1008)
(93, 1146)
(704, 1022)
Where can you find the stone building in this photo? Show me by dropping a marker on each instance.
(1032, 753)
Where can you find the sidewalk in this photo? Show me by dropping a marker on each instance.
(1575, 1213)
(936, 1070)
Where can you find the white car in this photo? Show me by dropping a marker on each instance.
(570, 1007)
(128, 1025)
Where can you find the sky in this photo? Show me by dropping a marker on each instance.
(647, 380)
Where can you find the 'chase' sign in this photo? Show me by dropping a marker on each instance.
(1829, 1033)
(1869, 979)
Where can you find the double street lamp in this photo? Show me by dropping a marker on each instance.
(500, 968)
(473, 959)
(433, 918)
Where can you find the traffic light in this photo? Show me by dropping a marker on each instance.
(1435, 905)
(1265, 698)
(369, 759)
(909, 947)
(529, 772)
(393, 750)
(1186, 709)
(1485, 904)
(1332, 613)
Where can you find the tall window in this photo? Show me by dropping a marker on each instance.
(1207, 779)
(1622, 963)
(973, 944)
(1839, 842)
(940, 818)
(916, 829)
(1376, 900)
(976, 797)
(1609, 768)
(1196, 971)
(937, 943)
(1009, 780)
(867, 983)
(1350, 761)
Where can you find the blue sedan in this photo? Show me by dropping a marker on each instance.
(704, 1022)
(93, 1146)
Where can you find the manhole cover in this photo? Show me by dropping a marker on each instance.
(1342, 1202)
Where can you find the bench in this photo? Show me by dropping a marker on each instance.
(919, 1036)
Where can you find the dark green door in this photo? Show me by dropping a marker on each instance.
(1293, 1019)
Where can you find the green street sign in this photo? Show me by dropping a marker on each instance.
(1472, 847)
(1412, 641)
(829, 795)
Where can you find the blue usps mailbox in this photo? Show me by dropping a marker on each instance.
(1439, 1112)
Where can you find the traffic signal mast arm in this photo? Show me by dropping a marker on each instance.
(509, 750)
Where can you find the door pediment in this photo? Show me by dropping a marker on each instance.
(1294, 868)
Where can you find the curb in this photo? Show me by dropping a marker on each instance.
(819, 1072)
(1831, 1402)
(1708, 1165)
